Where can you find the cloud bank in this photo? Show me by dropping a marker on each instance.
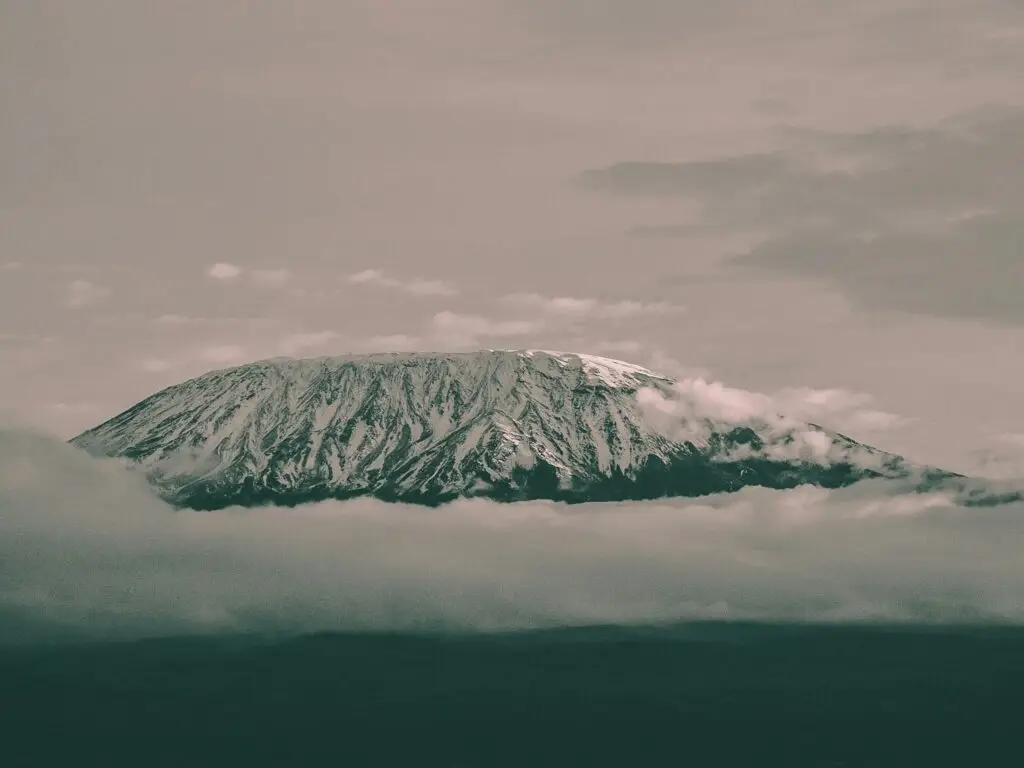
(85, 548)
(1004, 460)
(695, 407)
(919, 219)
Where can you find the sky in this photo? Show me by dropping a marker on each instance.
(820, 200)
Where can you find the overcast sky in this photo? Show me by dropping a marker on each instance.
(791, 195)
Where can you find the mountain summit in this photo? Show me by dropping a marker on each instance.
(430, 428)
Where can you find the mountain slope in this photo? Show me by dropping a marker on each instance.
(428, 428)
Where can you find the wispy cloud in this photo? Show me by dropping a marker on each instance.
(920, 219)
(458, 330)
(157, 365)
(452, 331)
(837, 408)
(393, 342)
(224, 271)
(194, 359)
(416, 286)
(569, 307)
(1003, 459)
(623, 347)
(175, 320)
(527, 315)
(222, 353)
(300, 343)
(697, 406)
(75, 409)
(82, 293)
(267, 277)
(271, 278)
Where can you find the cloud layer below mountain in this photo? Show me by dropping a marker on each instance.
(86, 549)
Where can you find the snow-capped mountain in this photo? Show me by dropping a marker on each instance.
(427, 428)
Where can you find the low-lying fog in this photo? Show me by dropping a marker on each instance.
(85, 548)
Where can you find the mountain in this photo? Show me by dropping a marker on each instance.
(430, 428)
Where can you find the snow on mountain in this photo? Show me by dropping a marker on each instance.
(427, 428)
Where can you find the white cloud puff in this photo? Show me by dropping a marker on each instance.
(224, 271)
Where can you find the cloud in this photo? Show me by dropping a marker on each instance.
(82, 293)
(533, 314)
(271, 277)
(366, 276)
(701, 177)
(393, 342)
(926, 220)
(695, 409)
(197, 359)
(76, 408)
(266, 278)
(174, 320)
(259, 345)
(623, 347)
(86, 549)
(455, 330)
(223, 271)
(667, 365)
(156, 365)
(1003, 460)
(222, 353)
(948, 37)
(971, 271)
(20, 338)
(299, 343)
(416, 286)
(569, 307)
(841, 408)
(419, 287)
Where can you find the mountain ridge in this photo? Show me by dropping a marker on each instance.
(428, 428)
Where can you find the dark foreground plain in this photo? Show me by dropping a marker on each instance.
(709, 694)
